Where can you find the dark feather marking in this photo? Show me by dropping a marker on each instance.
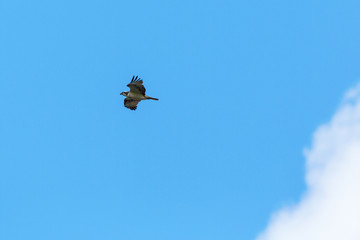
(131, 103)
(136, 79)
(136, 85)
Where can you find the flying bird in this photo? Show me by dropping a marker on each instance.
(136, 93)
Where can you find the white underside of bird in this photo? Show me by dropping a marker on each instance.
(137, 96)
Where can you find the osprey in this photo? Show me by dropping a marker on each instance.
(136, 93)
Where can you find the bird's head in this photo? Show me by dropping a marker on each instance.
(124, 94)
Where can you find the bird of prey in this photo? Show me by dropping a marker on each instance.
(136, 93)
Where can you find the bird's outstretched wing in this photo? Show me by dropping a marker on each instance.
(136, 85)
(131, 103)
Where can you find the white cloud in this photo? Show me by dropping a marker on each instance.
(330, 208)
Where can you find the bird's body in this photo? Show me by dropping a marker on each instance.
(136, 93)
(136, 96)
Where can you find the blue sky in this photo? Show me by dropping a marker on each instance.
(242, 86)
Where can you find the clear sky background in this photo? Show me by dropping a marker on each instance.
(242, 87)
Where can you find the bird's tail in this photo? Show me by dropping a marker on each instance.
(147, 97)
